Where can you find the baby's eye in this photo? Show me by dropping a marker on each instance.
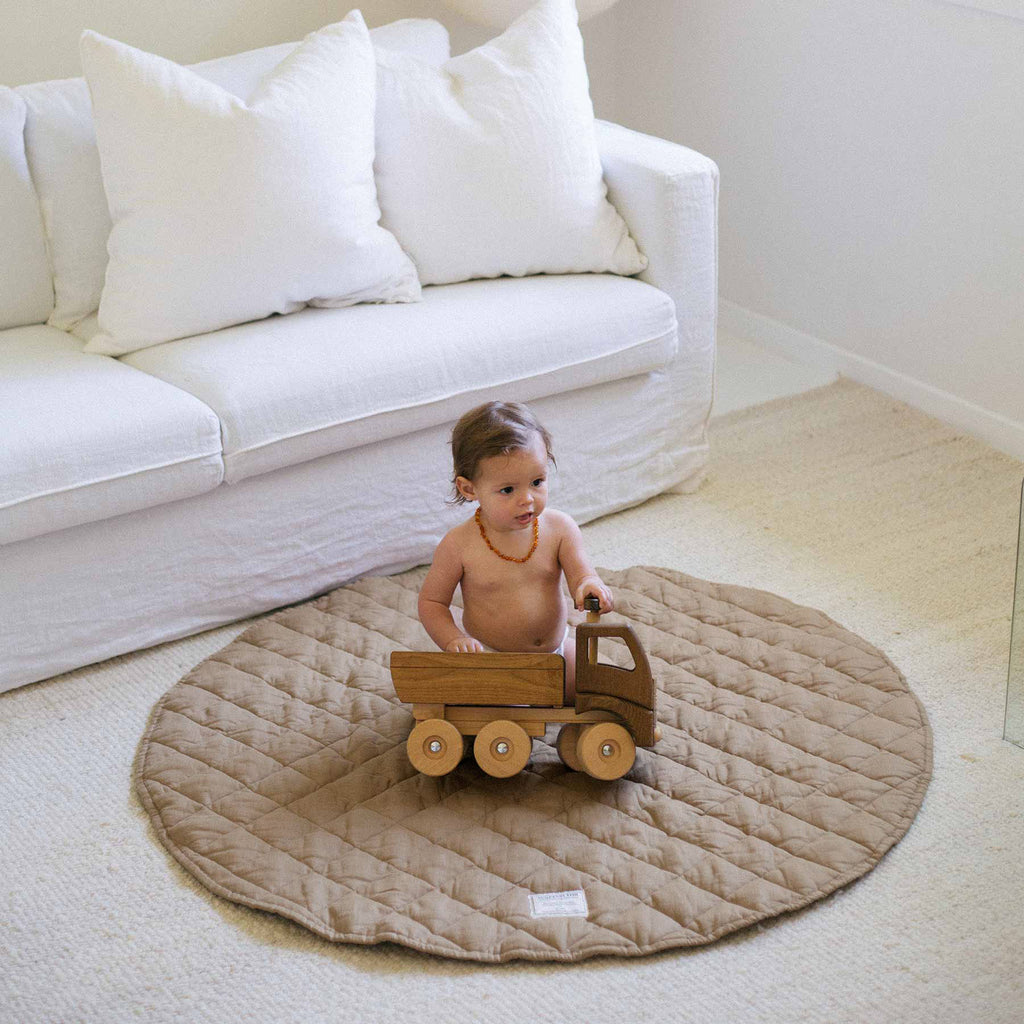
(538, 481)
(505, 490)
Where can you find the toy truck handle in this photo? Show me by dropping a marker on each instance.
(592, 606)
(630, 693)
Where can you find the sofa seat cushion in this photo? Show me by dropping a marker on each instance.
(86, 438)
(292, 388)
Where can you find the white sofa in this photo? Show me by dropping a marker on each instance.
(207, 479)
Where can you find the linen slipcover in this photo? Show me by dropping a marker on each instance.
(126, 582)
(287, 389)
(85, 437)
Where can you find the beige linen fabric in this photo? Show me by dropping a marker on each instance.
(793, 757)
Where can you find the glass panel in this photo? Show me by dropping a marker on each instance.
(1013, 728)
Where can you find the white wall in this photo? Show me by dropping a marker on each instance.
(872, 197)
(39, 38)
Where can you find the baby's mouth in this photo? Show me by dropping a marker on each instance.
(524, 518)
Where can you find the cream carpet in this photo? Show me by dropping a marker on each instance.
(890, 522)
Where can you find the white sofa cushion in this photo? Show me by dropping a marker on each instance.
(502, 141)
(86, 438)
(227, 210)
(26, 290)
(60, 143)
(298, 387)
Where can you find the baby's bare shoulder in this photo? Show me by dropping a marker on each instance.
(559, 521)
(447, 565)
(458, 537)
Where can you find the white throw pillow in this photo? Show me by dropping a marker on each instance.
(61, 147)
(488, 164)
(226, 211)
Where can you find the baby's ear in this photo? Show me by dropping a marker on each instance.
(465, 488)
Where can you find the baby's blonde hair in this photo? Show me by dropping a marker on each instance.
(494, 428)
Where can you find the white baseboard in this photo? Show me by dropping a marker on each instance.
(999, 431)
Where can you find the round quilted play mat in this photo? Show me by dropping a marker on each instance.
(792, 757)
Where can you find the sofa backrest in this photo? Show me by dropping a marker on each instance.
(26, 290)
(60, 146)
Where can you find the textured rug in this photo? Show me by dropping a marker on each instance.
(793, 757)
(894, 524)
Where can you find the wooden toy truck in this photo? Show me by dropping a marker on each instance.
(504, 700)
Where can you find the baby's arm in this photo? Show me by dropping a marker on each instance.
(436, 598)
(579, 573)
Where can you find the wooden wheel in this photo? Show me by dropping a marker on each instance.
(568, 738)
(435, 746)
(502, 748)
(606, 750)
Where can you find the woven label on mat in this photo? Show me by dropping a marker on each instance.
(559, 904)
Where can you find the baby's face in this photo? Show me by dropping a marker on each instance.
(512, 489)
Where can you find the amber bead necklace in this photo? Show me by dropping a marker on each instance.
(509, 558)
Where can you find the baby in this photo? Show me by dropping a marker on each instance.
(510, 556)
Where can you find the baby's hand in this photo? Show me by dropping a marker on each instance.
(464, 645)
(592, 585)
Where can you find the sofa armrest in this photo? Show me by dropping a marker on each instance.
(668, 195)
